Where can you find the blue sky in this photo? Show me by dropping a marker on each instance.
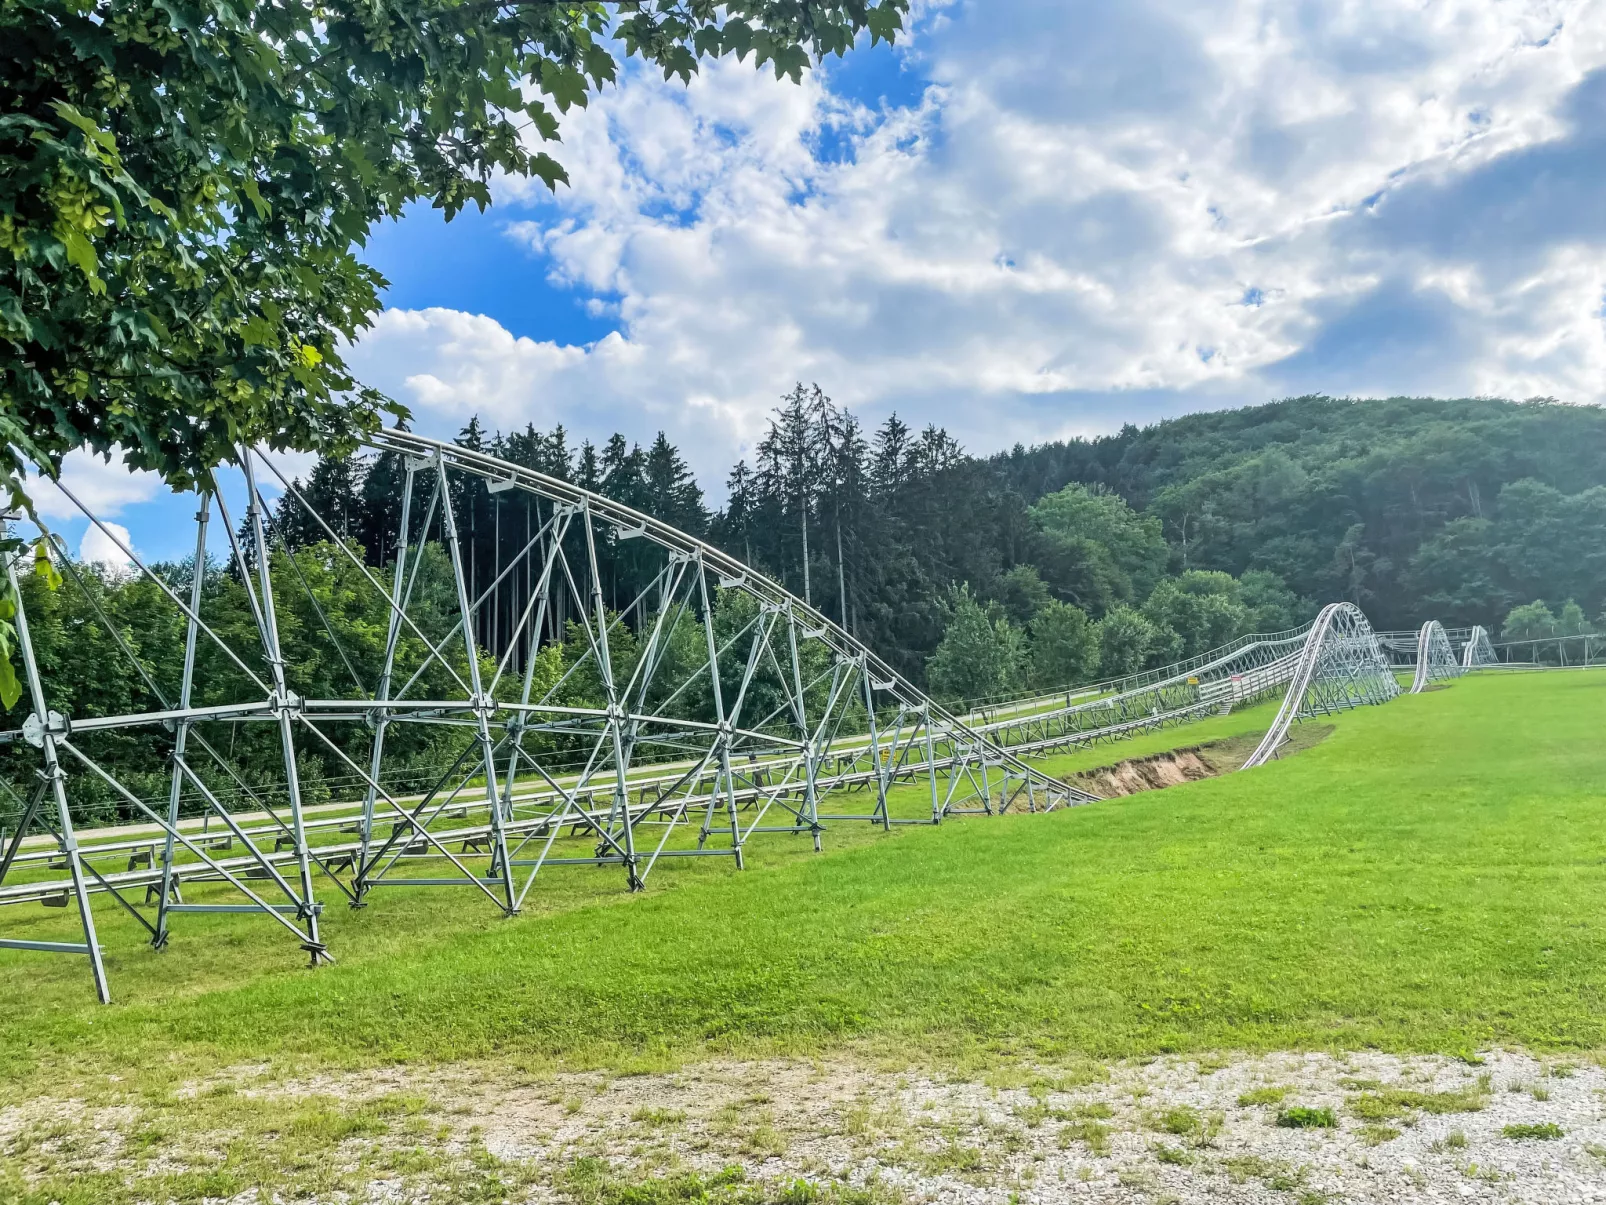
(1033, 219)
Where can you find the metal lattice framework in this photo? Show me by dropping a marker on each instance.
(1477, 650)
(1470, 648)
(710, 707)
(716, 707)
(1239, 673)
(1435, 660)
(1342, 664)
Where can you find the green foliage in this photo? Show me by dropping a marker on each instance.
(591, 1181)
(1097, 550)
(1413, 507)
(1542, 1131)
(1529, 622)
(1095, 1135)
(1127, 640)
(1387, 1103)
(1022, 594)
(1304, 1117)
(183, 185)
(1538, 540)
(1196, 611)
(1571, 621)
(1064, 646)
(1262, 1096)
(1272, 606)
(981, 655)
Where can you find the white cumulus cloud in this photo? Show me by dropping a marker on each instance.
(1094, 213)
(99, 548)
(104, 487)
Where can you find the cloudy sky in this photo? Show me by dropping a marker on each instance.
(1037, 218)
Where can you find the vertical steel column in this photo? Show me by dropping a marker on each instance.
(810, 758)
(307, 908)
(540, 589)
(621, 760)
(980, 751)
(931, 761)
(381, 717)
(481, 705)
(58, 789)
(723, 737)
(181, 732)
(875, 743)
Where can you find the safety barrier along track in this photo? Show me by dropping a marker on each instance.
(728, 709)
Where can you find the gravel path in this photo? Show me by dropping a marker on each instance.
(1376, 1128)
(1413, 1129)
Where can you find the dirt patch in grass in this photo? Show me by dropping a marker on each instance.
(1188, 763)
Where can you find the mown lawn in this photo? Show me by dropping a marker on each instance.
(1430, 877)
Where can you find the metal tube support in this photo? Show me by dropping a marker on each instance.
(482, 706)
(621, 759)
(810, 756)
(283, 706)
(534, 618)
(382, 691)
(58, 789)
(181, 730)
(725, 776)
(875, 744)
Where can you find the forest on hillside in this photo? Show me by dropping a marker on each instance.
(977, 577)
(1088, 558)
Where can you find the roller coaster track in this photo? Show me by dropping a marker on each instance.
(1476, 649)
(1434, 658)
(1239, 673)
(1340, 665)
(712, 707)
(716, 707)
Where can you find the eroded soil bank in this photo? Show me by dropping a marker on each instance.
(1189, 763)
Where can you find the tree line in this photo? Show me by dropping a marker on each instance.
(974, 576)
(1091, 558)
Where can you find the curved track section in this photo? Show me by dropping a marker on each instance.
(1341, 664)
(1477, 650)
(1435, 660)
(454, 734)
(1242, 672)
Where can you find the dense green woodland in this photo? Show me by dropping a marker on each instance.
(1037, 568)
(1093, 557)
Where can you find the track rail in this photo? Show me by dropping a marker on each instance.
(1341, 665)
(724, 709)
(712, 708)
(1435, 660)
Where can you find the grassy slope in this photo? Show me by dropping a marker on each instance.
(1430, 877)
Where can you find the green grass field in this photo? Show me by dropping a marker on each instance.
(1430, 877)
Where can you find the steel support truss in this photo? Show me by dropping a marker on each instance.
(1435, 660)
(1341, 664)
(711, 707)
(1240, 673)
(1477, 651)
